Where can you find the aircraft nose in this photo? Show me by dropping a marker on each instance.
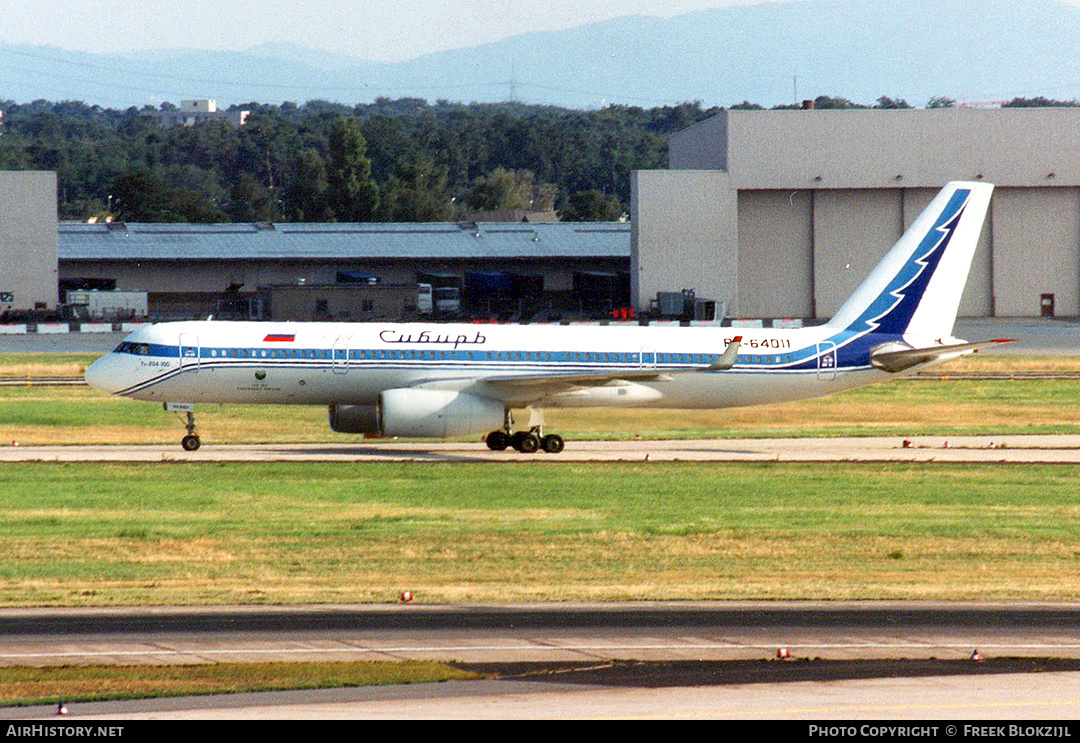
(104, 374)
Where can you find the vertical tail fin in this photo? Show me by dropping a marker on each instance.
(916, 287)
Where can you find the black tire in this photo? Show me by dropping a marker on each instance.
(526, 443)
(190, 443)
(552, 443)
(497, 440)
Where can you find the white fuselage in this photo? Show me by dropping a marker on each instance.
(352, 363)
(427, 379)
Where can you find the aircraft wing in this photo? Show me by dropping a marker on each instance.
(517, 385)
(899, 360)
(549, 383)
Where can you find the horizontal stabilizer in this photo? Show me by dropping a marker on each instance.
(899, 360)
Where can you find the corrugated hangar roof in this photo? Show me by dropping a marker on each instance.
(292, 241)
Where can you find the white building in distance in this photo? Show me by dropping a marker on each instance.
(194, 112)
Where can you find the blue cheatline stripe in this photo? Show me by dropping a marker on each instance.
(760, 358)
(553, 369)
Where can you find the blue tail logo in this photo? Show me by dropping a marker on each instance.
(892, 310)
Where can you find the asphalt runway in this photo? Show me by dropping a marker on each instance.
(664, 660)
(1054, 449)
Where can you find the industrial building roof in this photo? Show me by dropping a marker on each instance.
(389, 241)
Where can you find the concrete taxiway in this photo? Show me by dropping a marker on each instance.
(875, 660)
(646, 631)
(1035, 698)
(1059, 449)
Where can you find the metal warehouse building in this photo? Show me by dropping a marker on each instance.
(783, 213)
(500, 268)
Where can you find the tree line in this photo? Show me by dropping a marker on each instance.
(401, 160)
(392, 160)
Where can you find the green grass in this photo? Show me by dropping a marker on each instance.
(77, 415)
(128, 534)
(65, 415)
(27, 686)
(178, 533)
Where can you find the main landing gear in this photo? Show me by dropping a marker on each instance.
(525, 442)
(528, 441)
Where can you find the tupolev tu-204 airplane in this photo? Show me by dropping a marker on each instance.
(436, 381)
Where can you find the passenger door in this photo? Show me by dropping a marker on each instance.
(189, 352)
(826, 368)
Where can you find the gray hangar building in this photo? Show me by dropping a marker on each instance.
(781, 214)
(28, 240)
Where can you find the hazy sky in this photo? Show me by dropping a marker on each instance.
(384, 30)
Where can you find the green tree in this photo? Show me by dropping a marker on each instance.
(591, 206)
(1040, 102)
(141, 197)
(510, 189)
(193, 193)
(827, 102)
(244, 172)
(307, 196)
(353, 195)
(417, 192)
(264, 147)
(251, 201)
(887, 102)
(940, 101)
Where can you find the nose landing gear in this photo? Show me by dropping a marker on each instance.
(190, 442)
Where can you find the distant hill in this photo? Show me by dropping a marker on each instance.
(771, 53)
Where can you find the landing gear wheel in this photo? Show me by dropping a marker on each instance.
(525, 442)
(191, 441)
(497, 440)
(552, 443)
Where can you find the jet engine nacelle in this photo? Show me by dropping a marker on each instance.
(354, 419)
(437, 413)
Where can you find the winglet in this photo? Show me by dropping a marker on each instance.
(727, 358)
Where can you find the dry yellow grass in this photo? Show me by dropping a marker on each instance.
(521, 567)
(72, 683)
(1000, 362)
(21, 366)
